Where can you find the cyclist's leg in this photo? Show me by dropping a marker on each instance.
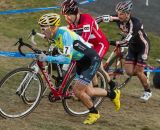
(130, 63)
(86, 71)
(129, 67)
(134, 66)
(139, 71)
(95, 81)
(101, 48)
(84, 93)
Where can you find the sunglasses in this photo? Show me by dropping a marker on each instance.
(44, 28)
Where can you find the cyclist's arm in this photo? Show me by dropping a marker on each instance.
(59, 59)
(64, 58)
(134, 29)
(107, 18)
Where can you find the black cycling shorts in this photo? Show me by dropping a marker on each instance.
(137, 57)
(88, 65)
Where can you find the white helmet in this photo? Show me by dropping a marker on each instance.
(124, 6)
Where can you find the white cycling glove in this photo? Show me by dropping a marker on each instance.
(106, 18)
(42, 57)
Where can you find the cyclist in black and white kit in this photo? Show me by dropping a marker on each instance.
(137, 41)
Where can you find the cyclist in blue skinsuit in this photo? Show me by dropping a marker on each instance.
(88, 61)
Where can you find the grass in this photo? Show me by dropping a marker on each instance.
(133, 115)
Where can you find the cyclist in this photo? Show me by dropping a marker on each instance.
(137, 40)
(86, 26)
(88, 61)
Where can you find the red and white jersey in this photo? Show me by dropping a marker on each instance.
(89, 30)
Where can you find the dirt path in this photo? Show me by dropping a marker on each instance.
(134, 114)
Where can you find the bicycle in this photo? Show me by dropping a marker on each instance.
(115, 67)
(156, 74)
(58, 74)
(30, 85)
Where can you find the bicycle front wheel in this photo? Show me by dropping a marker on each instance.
(13, 87)
(72, 104)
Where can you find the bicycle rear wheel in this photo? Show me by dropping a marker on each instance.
(72, 104)
(156, 79)
(116, 72)
(13, 87)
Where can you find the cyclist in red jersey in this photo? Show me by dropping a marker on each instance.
(85, 26)
(88, 29)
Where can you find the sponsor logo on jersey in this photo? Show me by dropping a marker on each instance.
(80, 46)
(77, 44)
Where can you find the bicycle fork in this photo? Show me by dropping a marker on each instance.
(24, 84)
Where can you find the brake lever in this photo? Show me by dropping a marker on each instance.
(32, 33)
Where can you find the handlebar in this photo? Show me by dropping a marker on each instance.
(113, 43)
(21, 43)
(52, 49)
(35, 50)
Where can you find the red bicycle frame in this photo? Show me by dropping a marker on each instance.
(57, 93)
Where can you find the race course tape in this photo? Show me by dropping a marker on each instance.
(38, 9)
(17, 54)
(32, 55)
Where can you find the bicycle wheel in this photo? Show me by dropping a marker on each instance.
(19, 82)
(156, 81)
(72, 104)
(116, 72)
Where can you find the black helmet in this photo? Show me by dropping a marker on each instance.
(125, 6)
(69, 7)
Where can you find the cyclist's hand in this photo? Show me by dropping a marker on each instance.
(106, 18)
(118, 43)
(115, 43)
(103, 18)
(122, 43)
(42, 57)
(33, 32)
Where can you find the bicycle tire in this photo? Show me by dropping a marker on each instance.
(72, 105)
(11, 101)
(117, 72)
(156, 81)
